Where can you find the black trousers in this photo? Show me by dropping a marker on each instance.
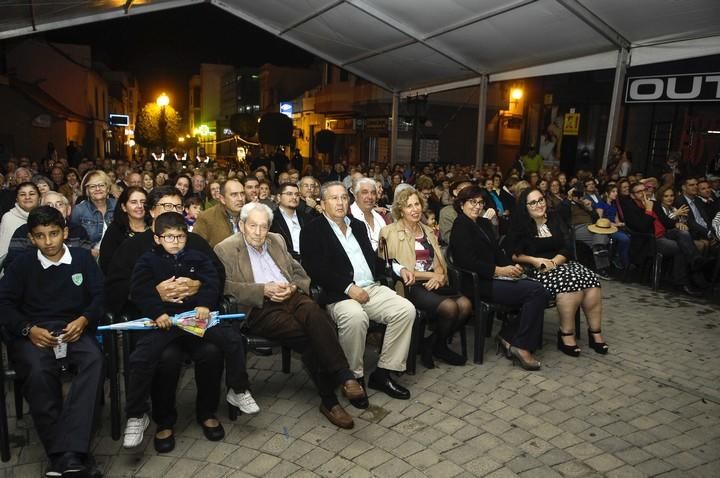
(301, 324)
(63, 426)
(149, 348)
(208, 360)
(532, 298)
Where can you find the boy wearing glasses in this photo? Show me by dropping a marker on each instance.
(170, 258)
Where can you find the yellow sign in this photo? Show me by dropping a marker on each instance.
(571, 125)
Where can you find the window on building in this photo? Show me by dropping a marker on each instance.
(196, 96)
(344, 75)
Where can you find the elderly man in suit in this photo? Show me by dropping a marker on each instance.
(272, 289)
(338, 256)
(222, 220)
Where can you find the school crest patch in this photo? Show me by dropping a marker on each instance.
(77, 279)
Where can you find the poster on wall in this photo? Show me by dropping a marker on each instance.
(571, 124)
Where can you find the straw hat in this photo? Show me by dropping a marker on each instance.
(602, 226)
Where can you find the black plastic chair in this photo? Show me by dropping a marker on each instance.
(644, 255)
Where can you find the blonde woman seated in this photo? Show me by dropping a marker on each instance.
(414, 246)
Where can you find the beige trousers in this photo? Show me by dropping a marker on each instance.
(386, 307)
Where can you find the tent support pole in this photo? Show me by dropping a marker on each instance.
(612, 135)
(394, 128)
(482, 108)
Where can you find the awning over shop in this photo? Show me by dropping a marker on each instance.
(421, 46)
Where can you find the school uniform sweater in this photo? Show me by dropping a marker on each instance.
(31, 294)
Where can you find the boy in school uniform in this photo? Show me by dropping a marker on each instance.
(50, 304)
(169, 259)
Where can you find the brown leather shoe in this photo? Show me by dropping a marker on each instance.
(338, 416)
(353, 390)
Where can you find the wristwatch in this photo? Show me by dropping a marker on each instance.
(26, 329)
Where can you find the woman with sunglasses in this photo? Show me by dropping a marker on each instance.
(540, 240)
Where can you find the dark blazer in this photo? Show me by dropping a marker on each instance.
(507, 200)
(636, 219)
(474, 246)
(279, 226)
(325, 259)
(696, 230)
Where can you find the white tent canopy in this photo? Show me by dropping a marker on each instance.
(415, 47)
(406, 45)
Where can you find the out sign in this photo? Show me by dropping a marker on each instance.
(690, 87)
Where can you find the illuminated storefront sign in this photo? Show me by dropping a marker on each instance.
(690, 87)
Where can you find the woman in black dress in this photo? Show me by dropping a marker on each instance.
(540, 240)
(473, 246)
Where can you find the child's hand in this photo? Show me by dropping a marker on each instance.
(164, 322)
(202, 313)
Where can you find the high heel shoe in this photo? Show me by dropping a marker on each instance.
(571, 350)
(501, 349)
(599, 347)
(515, 354)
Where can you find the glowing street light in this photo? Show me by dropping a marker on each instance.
(163, 100)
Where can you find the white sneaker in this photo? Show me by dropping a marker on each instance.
(244, 401)
(134, 431)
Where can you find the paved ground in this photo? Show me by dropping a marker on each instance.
(650, 408)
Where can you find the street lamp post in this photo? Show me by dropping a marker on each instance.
(163, 100)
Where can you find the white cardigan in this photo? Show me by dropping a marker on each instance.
(11, 220)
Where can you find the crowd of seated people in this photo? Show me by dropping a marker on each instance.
(376, 242)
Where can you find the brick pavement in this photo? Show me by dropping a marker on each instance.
(649, 408)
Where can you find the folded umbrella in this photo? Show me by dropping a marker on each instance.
(187, 321)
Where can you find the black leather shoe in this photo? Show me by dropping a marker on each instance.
(443, 352)
(362, 403)
(167, 444)
(70, 465)
(390, 387)
(213, 433)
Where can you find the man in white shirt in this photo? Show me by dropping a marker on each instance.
(363, 209)
(290, 221)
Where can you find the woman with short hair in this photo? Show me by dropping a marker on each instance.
(96, 212)
(474, 246)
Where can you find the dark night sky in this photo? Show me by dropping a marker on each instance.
(164, 49)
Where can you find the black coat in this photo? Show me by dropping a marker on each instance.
(326, 261)
(473, 246)
(279, 226)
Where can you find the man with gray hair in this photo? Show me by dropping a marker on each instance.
(363, 209)
(337, 253)
(77, 236)
(309, 196)
(273, 291)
